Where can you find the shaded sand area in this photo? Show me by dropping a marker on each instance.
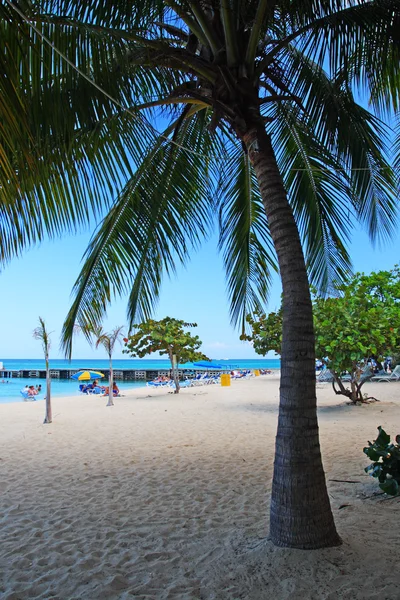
(166, 497)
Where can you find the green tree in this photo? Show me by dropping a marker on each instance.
(168, 338)
(108, 340)
(260, 127)
(360, 322)
(40, 333)
(363, 322)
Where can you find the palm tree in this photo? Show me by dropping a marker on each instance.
(108, 341)
(262, 132)
(41, 333)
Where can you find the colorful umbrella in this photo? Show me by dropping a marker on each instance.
(86, 375)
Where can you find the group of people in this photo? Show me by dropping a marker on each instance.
(31, 390)
(239, 374)
(95, 386)
(162, 379)
(376, 366)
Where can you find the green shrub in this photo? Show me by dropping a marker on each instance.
(386, 462)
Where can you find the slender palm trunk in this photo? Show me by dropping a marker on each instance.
(301, 515)
(111, 384)
(48, 416)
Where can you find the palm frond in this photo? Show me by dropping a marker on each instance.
(244, 237)
(342, 30)
(357, 140)
(162, 212)
(318, 192)
(61, 159)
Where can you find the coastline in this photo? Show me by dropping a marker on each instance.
(14, 386)
(166, 496)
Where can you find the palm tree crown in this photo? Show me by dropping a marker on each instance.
(211, 69)
(108, 340)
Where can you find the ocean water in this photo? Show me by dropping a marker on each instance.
(10, 392)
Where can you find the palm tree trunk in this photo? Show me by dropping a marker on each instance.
(48, 416)
(111, 384)
(300, 515)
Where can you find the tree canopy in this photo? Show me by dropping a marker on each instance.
(167, 337)
(361, 322)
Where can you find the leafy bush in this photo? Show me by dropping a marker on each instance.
(386, 465)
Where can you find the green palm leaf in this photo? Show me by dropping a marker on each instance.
(163, 211)
(318, 194)
(244, 238)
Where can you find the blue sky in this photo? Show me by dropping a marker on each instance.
(40, 283)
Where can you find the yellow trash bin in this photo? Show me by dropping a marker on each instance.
(257, 373)
(225, 379)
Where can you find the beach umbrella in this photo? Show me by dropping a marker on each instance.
(86, 375)
(209, 365)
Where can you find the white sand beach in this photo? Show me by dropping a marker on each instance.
(167, 497)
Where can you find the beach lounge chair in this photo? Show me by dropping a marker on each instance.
(83, 388)
(155, 384)
(204, 379)
(393, 376)
(97, 390)
(182, 384)
(88, 390)
(325, 376)
(26, 396)
(366, 374)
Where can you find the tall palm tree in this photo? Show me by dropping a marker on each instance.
(40, 333)
(108, 341)
(261, 130)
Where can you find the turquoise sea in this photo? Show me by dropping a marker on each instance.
(9, 392)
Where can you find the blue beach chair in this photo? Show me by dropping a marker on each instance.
(27, 397)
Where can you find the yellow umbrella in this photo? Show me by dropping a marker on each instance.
(87, 375)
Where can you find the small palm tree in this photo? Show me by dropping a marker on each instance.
(108, 341)
(41, 333)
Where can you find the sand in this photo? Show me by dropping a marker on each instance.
(167, 497)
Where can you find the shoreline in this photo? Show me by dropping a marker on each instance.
(17, 398)
(167, 497)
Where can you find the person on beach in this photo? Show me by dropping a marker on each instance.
(39, 388)
(115, 390)
(95, 385)
(32, 391)
(387, 365)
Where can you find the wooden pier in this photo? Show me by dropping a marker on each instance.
(119, 374)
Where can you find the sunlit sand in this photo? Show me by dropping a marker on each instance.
(167, 497)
